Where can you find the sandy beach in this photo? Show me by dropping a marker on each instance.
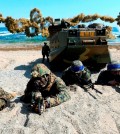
(83, 114)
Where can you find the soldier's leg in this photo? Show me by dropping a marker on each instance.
(43, 58)
(47, 57)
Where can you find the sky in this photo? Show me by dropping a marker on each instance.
(59, 8)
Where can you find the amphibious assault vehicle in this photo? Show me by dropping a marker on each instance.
(86, 44)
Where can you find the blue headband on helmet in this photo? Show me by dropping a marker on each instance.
(113, 66)
(77, 68)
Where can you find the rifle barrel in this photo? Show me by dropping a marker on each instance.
(39, 106)
(91, 85)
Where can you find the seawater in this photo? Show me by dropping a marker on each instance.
(7, 38)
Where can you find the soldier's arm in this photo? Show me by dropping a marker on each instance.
(86, 76)
(113, 83)
(102, 79)
(48, 49)
(61, 97)
(67, 77)
(117, 79)
(29, 91)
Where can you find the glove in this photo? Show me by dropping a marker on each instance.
(35, 95)
(38, 95)
(113, 83)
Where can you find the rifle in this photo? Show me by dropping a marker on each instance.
(91, 85)
(40, 104)
(87, 85)
(37, 103)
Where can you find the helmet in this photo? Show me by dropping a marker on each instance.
(113, 66)
(77, 66)
(39, 70)
(45, 42)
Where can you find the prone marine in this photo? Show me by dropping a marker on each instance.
(77, 73)
(111, 76)
(44, 89)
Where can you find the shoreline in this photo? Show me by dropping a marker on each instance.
(37, 47)
(19, 48)
(22, 47)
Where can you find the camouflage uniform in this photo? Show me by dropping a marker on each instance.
(53, 93)
(110, 74)
(4, 98)
(76, 74)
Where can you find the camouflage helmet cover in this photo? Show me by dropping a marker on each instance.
(77, 66)
(39, 70)
(113, 66)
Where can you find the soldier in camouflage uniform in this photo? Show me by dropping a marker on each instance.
(77, 74)
(111, 76)
(50, 90)
(4, 98)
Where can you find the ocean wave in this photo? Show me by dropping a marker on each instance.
(117, 34)
(5, 33)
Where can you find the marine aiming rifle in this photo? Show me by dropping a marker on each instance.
(87, 85)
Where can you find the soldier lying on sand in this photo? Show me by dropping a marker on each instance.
(4, 98)
(111, 76)
(77, 74)
(44, 90)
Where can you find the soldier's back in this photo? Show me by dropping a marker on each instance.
(4, 98)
